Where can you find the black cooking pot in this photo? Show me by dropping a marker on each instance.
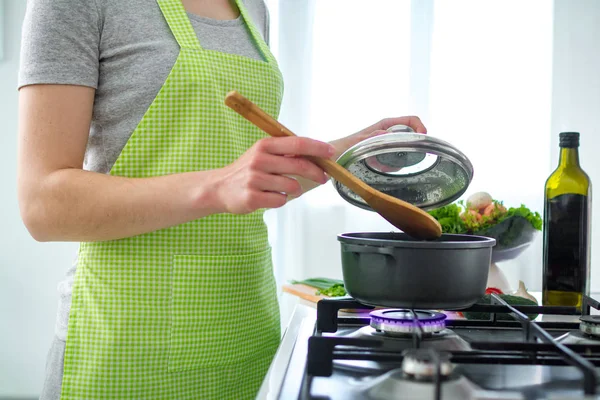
(394, 270)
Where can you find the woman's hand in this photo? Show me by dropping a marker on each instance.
(260, 178)
(343, 144)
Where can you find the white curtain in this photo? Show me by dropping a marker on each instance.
(478, 73)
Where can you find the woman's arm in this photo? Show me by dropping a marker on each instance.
(59, 201)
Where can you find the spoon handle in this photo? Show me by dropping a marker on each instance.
(268, 124)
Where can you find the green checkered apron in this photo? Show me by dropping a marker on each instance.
(188, 312)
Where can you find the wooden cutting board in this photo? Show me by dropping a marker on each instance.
(309, 293)
(303, 291)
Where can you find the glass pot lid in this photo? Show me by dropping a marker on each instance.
(419, 169)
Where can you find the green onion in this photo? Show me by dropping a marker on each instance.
(326, 286)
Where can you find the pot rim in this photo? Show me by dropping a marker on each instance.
(402, 240)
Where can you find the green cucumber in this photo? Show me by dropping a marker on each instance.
(510, 299)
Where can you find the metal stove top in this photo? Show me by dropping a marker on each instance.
(333, 357)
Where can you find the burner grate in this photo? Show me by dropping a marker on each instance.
(540, 348)
(533, 331)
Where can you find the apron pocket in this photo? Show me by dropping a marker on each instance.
(219, 307)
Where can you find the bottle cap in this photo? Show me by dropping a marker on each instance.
(569, 139)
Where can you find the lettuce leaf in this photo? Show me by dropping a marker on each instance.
(451, 221)
(449, 218)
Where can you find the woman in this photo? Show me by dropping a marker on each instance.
(127, 147)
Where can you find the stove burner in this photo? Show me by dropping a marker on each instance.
(401, 322)
(420, 364)
(590, 325)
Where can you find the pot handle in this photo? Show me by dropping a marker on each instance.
(353, 248)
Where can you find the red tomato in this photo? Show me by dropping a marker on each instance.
(491, 290)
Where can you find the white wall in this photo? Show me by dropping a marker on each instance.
(29, 271)
(575, 106)
(491, 97)
(576, 95)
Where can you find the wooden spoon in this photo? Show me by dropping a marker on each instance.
(404, 216)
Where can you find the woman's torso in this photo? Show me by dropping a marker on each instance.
(125, 50)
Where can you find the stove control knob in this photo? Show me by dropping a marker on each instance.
(421, 363)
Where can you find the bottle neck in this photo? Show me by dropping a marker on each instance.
(569, 157)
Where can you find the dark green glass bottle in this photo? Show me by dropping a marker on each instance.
(567, 212)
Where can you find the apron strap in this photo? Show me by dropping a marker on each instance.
(186, 37)
(180, 24)
(262, 45)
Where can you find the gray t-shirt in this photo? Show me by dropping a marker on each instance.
(125, 50)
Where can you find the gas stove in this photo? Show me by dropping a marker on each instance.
(431, 354)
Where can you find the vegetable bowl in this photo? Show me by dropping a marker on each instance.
(513, 235)
(514, 228)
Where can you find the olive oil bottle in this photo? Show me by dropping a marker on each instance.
(567, 213)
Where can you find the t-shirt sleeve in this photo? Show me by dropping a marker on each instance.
(60, 41)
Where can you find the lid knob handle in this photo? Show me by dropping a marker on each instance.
(400, 128)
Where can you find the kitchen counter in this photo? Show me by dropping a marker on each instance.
(302, 321)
